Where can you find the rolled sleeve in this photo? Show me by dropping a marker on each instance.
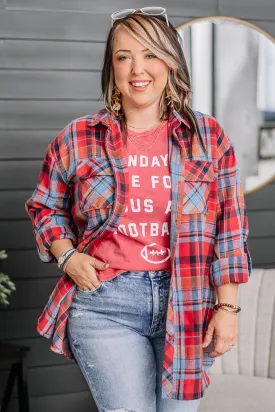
(232, 261)
(50, 208)
(234, 269)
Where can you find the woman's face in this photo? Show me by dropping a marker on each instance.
(132, 62)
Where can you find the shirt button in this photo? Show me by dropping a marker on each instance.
(170, 338)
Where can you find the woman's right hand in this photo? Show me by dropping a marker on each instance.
(82, 269)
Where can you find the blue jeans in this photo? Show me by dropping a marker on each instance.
(116, 334)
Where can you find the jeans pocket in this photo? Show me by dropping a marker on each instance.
(89, 292)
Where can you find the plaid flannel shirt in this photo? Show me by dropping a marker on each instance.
(83, 190)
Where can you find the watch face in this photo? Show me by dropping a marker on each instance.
(61, 260)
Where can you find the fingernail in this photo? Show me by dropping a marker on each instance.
(105, 265)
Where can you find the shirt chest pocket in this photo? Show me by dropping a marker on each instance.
(95, 184)
(198, 175)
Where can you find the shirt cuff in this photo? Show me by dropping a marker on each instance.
(44, 241)
(233, 269)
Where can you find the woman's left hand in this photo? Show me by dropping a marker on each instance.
(224, 327)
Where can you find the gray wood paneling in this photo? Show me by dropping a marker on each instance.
(40, 353)
(12, 204)
(43, 114)
(263, 9)
(261, 223)
(68, 26)
(66, 5)
(81, 401)
(32, 144)
(31, 84)
(56, 26)
(2, 117)
(19, 324)
(261, 199)
(19, 175)
(29, 54)
(31, 293)
(56, 379)
(16, 235)
(174, 7)
(262, 251)
(25, 264)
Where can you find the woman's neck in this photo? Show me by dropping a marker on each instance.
(142, 118)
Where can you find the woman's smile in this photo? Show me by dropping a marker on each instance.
(140, 86)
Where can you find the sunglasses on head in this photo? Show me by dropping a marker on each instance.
(150, 11)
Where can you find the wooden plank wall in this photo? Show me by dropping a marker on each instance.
(51, 54)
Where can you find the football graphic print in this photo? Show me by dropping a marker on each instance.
(154, 253)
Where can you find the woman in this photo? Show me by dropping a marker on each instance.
(142, 207)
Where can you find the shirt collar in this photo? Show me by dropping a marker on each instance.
(107, 117)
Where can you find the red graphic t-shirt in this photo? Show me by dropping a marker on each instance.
(142, 239)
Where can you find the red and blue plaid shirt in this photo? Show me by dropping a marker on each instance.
(82, 191)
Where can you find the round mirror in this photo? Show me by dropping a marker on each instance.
(232, 66)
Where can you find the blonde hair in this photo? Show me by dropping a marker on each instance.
(165, 42)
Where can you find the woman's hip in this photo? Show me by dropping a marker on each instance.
(134, 299)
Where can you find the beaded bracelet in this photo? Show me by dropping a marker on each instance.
(235, 308)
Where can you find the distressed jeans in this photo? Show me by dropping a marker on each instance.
(116, 333)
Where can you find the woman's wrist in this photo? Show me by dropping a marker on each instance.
(228, 292)
(230, 312)
(60, 246)
(62, 262)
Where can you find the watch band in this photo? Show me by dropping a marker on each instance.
(62, 258)
(63, 266)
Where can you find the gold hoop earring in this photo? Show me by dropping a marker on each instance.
(116, 103)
